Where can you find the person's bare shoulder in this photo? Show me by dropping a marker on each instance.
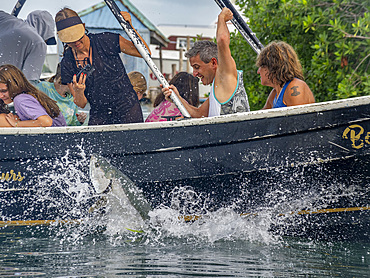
(298, 93)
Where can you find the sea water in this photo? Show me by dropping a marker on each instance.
(220, 244)
(223, 244)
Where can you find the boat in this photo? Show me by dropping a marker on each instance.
(307, 165)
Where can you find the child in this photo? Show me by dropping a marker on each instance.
(32, 106)
(61, 94)
(138, 81)
(165, 110)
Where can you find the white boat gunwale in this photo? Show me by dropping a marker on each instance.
(238, 117)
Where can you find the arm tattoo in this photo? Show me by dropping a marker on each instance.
(295, 91)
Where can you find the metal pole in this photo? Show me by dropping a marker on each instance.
(17, 8)
(242, 26)
(140, 46)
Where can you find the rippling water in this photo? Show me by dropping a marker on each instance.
(223, 246)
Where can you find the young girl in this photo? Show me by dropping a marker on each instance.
(138, 81)
(33, 107)
(164, 110)
(61, 94)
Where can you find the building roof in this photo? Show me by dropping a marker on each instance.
(100, 16)
(208, 31)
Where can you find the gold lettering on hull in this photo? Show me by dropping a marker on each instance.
(355, 134)
(11, 176)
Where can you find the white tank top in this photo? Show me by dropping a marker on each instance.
(237, 103)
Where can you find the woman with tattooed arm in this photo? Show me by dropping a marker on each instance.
(279, 68)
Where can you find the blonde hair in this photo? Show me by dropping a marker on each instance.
(138, 81)
(65, 13)
(18, 84)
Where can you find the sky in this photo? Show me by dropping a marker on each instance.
(159, 12)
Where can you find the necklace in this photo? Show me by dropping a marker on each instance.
(82, 63)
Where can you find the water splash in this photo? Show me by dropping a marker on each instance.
(117, 207)
(221, 225)
(266, 224)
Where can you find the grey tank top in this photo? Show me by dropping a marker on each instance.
(237, 103)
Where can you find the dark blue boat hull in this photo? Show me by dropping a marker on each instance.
(293, 160)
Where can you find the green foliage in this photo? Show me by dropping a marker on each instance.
(332, 40)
